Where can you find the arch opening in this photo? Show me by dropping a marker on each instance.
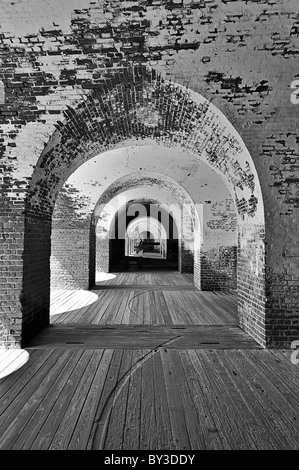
(197, 127)
(146, 237)
(179, 215)
(146, 241)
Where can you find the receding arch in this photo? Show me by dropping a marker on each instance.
(184, 119)
(193, 123)
(141, 229)
(186, 214)
(103, 237)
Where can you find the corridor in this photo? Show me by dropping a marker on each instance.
(149, 270)
(143, 309)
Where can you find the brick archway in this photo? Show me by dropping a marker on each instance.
(101, 245)
(137, 104)
(186, 215)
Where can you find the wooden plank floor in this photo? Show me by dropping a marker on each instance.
(11, 360)
(164, 399)
(153, 278)
(111, 314)
(160, 366)
(148, 298)
(142, 336)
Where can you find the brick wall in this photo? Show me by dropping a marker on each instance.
(35, 294)
(250, 283)
(102, 258)
(11, 274)
(70, 241)
(219, 268)
(75, 86)
(219, 250)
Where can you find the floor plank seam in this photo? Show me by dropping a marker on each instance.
(99, 440)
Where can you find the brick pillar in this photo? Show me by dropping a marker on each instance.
(35, 298)
(70, 258)
(187, 259)
(11, 275)
(24, 276)
(102, 255)
(92, 255)
(251, 281)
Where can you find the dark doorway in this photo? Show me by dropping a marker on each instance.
(120, 261)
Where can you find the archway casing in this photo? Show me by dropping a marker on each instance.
(182, 208)
(111, 115)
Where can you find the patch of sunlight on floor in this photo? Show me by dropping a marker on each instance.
(63, 301)
(11, 360)
(101, 276)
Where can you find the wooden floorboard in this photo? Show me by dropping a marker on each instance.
(142, 277)
(145, 361)
(163, 421)
(208, 435)
(153, 306)
(84, 430)
(139, 336)
(112, 419)
(131, 430)
(244, 401)
(53, 404)
(152, 399)
(103, 413)
(68, 423)
(263, 425)
(177, 413)
(12, 359)
(19, 411)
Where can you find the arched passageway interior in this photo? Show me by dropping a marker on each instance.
(145, 241)
(205, 231)
(203, 136)
(146, 236)
(150, 194)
